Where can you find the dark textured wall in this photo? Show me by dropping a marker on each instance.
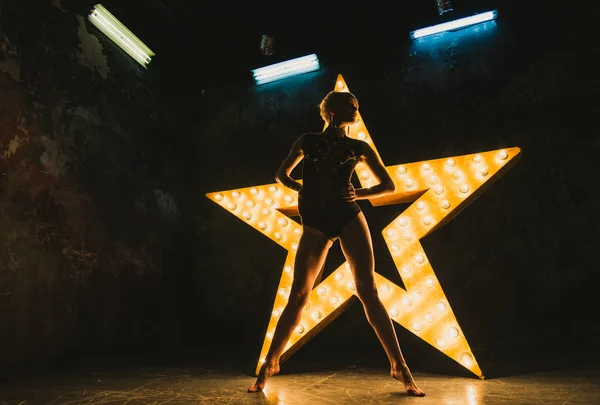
(88, 192)
(108, 240)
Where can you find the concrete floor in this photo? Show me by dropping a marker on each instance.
(204, 385)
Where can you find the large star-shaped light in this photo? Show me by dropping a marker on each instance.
(439, 190)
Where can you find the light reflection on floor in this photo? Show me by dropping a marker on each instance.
(155, 385)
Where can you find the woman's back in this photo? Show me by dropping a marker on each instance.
(328, 165)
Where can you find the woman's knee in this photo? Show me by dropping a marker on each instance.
(298, 297)
(366, 290)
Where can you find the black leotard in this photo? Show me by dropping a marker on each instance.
(327, 168)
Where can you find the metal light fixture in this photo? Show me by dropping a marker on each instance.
(267, 45)
(282, 70)
(445, 7)
(110, 26)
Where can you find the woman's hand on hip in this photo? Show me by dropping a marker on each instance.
(349, 193)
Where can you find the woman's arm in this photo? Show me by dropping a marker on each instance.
(289, 163)
(386, 184)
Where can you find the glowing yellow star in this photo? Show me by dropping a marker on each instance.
(439, 190)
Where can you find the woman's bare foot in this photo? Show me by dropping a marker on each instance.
(266, 371)
(410, 386)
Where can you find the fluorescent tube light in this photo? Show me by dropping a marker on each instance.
(455, 24)
(281, 70)
(119, 34)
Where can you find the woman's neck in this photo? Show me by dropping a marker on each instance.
(338, 132)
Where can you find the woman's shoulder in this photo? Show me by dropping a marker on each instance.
(308, 137)
(311, 134)
(358, 144)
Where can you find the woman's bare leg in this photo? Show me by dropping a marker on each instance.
(310, 256)
(358, 249)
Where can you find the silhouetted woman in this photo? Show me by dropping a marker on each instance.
(328, 211)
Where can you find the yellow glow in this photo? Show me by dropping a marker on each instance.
(439, 190)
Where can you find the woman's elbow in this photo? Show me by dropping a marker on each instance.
(390, 187)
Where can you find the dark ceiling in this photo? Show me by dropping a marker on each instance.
(192, 36)
(232, 30)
